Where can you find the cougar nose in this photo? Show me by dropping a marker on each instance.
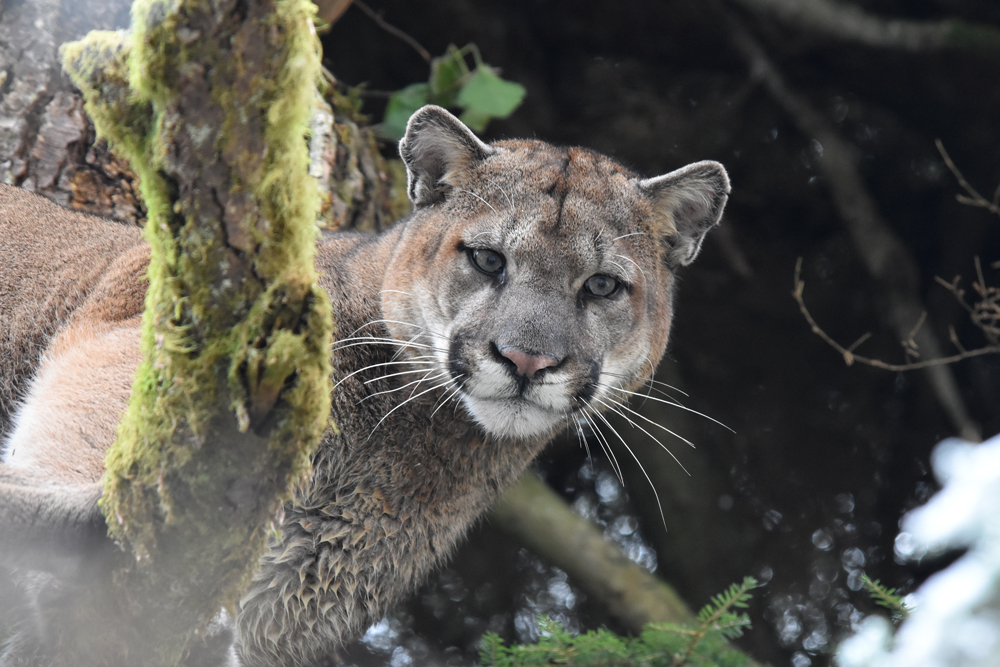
(527, 364)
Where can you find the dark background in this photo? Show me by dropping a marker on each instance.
(807, 493)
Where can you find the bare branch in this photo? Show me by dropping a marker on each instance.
(393, 30)
(974, 198)
(851, 23)
(884, 254)
(848, 352)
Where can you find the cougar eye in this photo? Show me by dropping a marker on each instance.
(599, 285)
(487, 261)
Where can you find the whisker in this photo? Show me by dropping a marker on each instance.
(469, 192)
(624, 272)
(652, 437)
(632, 234)
(414, 382)
(636, 266)
(644, 473)
(582, 439)
(392, 375)
(411, 398)
(403, 345)
(371, 366)
(605, 445)
(382, 291)
(504, 193)
(381, 339)
(408, 324)
(647, 419)
(673, 403)
(647, 380)
(647, 383)
(403, 349)
(448, 397)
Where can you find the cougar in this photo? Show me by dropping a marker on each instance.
(529, 290)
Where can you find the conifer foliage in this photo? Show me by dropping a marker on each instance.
(660, 645)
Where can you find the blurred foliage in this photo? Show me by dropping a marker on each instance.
(886, 597)
(478, 92)
(659, 644)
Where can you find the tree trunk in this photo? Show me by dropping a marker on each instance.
(47, 143)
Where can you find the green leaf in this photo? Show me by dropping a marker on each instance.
(475, 120)
(401, 106)
(486, 93)
(446, 75)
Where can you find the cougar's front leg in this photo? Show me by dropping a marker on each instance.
(335, 569)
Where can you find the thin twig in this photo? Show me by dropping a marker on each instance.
(848, 353)
(958, 293)
(393, 30)
(974, 198)
(910, 345)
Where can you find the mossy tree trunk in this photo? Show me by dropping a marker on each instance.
(209, 102)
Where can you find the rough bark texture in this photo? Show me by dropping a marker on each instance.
(359, 188)
(210, 102)
(47, 143)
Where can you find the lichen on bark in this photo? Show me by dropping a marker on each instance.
(210, 103)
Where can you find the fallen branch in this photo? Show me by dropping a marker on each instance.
(851, 23)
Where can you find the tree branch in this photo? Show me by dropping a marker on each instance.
(848, 352)
(851, 23)
(973, 198)
(535, 516)
(393, 30)
(542, 521)
(882, 251)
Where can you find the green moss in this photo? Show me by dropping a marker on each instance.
(98, 65)
(249, 359)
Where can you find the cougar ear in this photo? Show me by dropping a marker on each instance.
(690, 201)
(437, 151)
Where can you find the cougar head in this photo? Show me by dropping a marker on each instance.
(539, 276)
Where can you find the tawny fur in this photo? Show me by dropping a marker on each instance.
(394, 491)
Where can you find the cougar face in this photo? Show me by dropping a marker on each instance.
(538, 278)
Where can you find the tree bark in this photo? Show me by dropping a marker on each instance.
(47, 143)
(233, 392)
